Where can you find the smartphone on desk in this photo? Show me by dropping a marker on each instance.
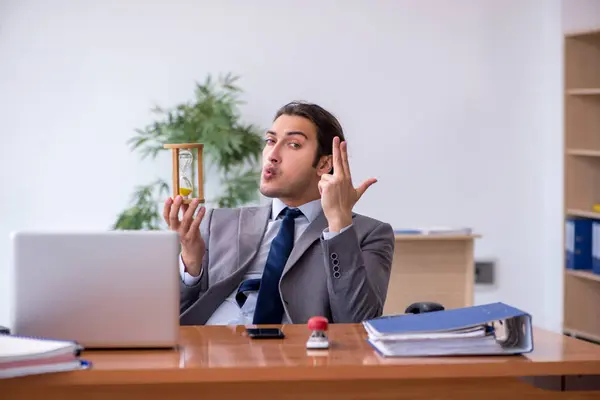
(265, 333)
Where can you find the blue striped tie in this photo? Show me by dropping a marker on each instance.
(269, 308)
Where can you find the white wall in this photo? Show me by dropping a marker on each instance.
(580, 15)
(454, 106)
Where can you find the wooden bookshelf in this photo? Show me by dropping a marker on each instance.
(582, 172)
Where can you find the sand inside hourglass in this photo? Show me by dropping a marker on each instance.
(186, 160)
(185, 191)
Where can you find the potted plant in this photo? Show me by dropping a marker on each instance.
(232, 150)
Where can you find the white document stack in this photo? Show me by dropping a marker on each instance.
(21, 356)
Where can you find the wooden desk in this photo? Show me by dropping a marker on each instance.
(222, 363)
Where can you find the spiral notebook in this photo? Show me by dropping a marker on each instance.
(489, 329)
(21, 356)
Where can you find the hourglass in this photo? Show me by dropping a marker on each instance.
(184, 184)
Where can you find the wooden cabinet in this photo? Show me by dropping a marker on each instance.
(437, 268)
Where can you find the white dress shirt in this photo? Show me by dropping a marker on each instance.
(229, 312)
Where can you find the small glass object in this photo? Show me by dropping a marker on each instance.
(186, 164)
(187, 180)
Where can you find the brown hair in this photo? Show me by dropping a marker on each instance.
(327, 125)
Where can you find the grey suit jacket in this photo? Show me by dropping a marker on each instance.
(344, 278)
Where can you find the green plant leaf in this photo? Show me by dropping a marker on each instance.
(232, 148)
(240, 189)
(144, 212)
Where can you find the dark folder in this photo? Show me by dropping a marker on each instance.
(489, 329)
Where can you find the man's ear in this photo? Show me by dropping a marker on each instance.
(325, 164)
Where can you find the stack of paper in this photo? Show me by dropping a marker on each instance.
(480, 330)
(438, 230)
(21, 356)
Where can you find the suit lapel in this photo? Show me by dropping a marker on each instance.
(252, 227)
(309, 236)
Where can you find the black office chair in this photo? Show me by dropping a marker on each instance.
(423, 307)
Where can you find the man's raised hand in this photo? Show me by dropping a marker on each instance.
(188, 228)
(338, 194)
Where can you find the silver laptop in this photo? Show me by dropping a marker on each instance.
(115, 289)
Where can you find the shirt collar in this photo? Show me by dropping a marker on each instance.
(310, 210)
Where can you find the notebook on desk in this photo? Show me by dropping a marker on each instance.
(20, 356)
(489, 329)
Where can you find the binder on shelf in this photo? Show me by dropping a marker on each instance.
(579, 240)
(21, 356)
(489, 329)
(596, 247)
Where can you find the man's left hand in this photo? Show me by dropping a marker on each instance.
(338, 195)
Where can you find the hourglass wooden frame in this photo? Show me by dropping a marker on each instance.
(175, 149)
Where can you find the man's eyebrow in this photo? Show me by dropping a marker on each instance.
(300, 133)
(290, 133)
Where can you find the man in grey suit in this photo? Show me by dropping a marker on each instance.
(305, 254)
